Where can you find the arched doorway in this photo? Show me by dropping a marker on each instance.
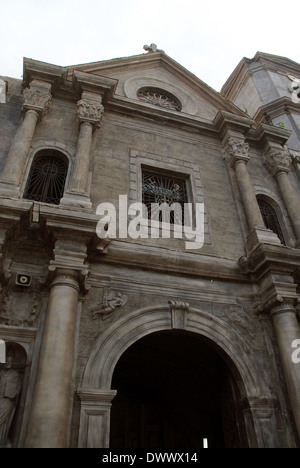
(173, 391)
(247, 385)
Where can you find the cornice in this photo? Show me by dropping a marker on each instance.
(36, 70)
(265, 133)
(172, 262)
(57, 76)
(145, 61)
(267, 258)
(94, 84)
(274, 62)
(276, 108)
(126, 106)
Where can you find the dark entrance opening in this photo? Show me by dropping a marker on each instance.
(174, 391)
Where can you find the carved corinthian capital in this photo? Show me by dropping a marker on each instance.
(236, 150)
(37, 100)
(277, 161)
(90, 111)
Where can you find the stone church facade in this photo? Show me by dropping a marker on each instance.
(146, 338)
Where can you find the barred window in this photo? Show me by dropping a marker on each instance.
(270, 218)
(159, 98)
(158, 189)
(47, 178)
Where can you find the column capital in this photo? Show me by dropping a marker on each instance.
(36, 100)
(282, 305)
(277, 161)
(90, 112)
(68, 266)
(236, 150)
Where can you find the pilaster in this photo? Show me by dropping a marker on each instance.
(94, 428)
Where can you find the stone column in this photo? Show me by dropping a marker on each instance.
(49, 418)
(35, 105)
(237, 155)
(287, 330)
(90, 112)
(278, 163)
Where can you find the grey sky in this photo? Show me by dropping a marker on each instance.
(209, 38)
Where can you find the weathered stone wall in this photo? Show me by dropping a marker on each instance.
(146, 285)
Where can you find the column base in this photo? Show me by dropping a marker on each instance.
(76, 201)
(259, 235)
(95, 418)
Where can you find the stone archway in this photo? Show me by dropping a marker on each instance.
(174, 391)
(96, 394)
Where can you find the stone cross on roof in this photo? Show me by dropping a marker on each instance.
(152, 48)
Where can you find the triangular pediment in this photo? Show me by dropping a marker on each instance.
(159, 71)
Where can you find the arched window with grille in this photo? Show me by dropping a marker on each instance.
(47, 177)
(270, 218)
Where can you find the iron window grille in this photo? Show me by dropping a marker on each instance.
(46, 180)
(270, 219)
(158, 189)
(159, 98)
